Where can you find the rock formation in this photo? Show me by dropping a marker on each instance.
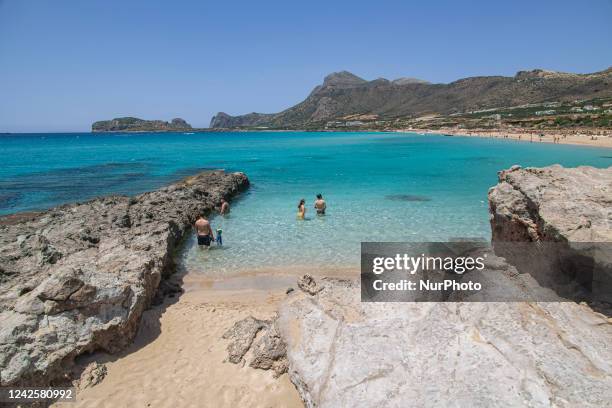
(77, 278)
(571, 208)
(266, 351)
(552, 204)
(342, 352)
(129, 124)
(468, 353)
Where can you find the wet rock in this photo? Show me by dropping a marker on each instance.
(78, 277)
(308, 284)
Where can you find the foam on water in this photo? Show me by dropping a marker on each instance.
(379, 187)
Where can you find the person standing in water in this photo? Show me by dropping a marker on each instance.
(225, 208)
(320, 205)
(301, 214)
(204, 232)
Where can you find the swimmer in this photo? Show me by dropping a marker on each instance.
(320, 205)
(301, 214)
(225, 208)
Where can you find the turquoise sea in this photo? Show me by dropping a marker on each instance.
(379, 186)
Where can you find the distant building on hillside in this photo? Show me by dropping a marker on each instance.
(546, 112)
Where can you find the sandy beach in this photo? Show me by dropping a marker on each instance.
(179, 358)
(594, 138)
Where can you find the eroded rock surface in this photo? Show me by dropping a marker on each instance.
(342, 352)
(571, 207)
(552, 204)
(258, 341)
(77, 278)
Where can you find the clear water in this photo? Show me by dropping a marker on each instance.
(379, 187)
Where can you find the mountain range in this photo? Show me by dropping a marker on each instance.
(344, 94)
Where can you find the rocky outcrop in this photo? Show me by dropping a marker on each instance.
(129, 124)
(258, 341)
(342, 352)
(223, 120)
(468, 353)
(569, 207)
(552, 204)
(77, 278)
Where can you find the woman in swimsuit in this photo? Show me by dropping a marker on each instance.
(301, 209)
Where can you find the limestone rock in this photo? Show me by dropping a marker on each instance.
(571, 207)
(260, 342)
(270, 351)
(342, 352)
(308, 284)
(77, 278)
(552, 204)
(242, 334)
(470, 353)
(92, 375)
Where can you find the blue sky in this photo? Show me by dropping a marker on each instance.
(65, 64)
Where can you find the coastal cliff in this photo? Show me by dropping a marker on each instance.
(542, 352)
(129, 124)
(78, 277)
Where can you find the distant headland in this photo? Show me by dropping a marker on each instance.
(552, 106)
(534, 99)
(131, 124)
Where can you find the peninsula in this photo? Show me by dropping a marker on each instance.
(130, 124)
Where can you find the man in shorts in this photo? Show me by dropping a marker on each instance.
(204, 232)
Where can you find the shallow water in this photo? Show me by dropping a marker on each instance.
(379, 187)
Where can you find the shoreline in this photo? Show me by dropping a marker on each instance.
(549, 136)
(602, 137)
(113, 269)
(179, 355)
(179, 344)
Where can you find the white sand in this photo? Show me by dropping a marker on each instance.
(595, 138)
(178, 357)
